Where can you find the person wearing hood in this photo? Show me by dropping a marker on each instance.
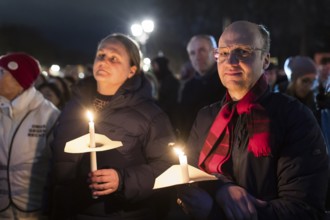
(120, 98)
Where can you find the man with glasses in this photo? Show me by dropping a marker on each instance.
(266, 148)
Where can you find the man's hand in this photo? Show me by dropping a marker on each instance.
(237, 203)
(103, 182)
(194, 201)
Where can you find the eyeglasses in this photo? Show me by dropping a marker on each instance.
(241, 53)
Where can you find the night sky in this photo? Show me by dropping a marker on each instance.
(73, 24)
(68, 31)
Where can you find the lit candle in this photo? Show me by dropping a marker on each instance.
(92, 141)
(183, 164)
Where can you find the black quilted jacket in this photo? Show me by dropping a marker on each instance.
(145, 131)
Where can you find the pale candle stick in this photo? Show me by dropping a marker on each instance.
(183, 164)
(92, 144)
(92, 141)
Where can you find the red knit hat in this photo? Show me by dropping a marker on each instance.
(23, 67)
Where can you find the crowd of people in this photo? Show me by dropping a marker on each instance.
(261, 129)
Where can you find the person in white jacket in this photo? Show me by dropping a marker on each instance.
(26, 124)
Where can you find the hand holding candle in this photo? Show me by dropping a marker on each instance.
(183, 164)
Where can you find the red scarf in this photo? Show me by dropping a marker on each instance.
(213, 155)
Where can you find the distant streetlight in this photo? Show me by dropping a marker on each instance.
(54, 70)
(148, 26)
(141, 31)
(146, 64)
(137, 30)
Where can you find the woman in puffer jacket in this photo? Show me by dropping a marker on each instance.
(123, 111)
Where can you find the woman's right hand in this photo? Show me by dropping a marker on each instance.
(103, 182)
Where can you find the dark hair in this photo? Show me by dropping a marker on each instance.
(66, 90)
(52, 86)
(70, 79)
(265, 36)
(131, 46)
(325, 60)
(161, 61)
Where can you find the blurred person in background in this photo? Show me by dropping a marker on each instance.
(52, 93)
(168, 87)
(204, 88)
(303, 76)
(324, 75)
(271, 74)
(27, 120)
(187, 72)
(322, 89)
(62, 85)
(70, 81)
(40, 80)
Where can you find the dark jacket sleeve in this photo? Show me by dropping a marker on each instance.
(64, 166)
(138, 180)
(302, 168)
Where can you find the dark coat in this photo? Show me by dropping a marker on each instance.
(168, 96)
(145, 131)
(293, 179)
(197, 93)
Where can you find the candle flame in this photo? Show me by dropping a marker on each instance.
(90, 116)
(178, 151)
